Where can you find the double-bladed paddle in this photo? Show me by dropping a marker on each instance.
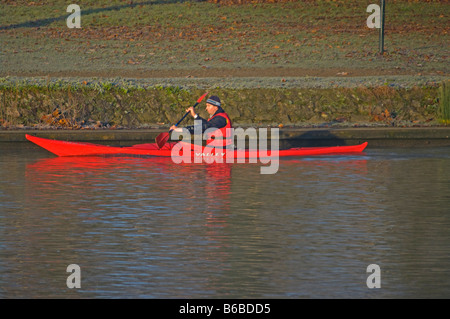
(162, 138)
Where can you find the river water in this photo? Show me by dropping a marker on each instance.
(148, 228)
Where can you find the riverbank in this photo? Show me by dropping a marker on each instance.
(128, 104)
(292, 65)
(289, 137)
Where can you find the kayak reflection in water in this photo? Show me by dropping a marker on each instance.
(218, 127)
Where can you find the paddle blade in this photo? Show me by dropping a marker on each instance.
(201, 97)
(162, 139)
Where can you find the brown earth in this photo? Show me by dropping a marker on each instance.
(222, 73)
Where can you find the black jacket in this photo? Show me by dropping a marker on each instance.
(217, 122)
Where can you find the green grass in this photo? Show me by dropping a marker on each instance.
(444, 102)
(130, 104)
(192, 35)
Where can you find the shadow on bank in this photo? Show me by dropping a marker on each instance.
(45, 22)
(316, 138)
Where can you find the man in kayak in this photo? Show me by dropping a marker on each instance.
(218, 125)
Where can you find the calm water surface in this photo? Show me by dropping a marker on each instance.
(147, 228)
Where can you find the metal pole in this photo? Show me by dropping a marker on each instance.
(382, 26)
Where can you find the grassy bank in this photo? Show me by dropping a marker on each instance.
(141, 63)
(160, 38)
(108, 104)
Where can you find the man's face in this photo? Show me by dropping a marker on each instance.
(211, 109)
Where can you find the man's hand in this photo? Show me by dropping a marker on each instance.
(176, 129)
(191, 110)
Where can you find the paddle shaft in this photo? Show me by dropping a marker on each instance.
(162, 138)
(185, 115)
(198, 101)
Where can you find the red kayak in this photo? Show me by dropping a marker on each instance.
(64, 148)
